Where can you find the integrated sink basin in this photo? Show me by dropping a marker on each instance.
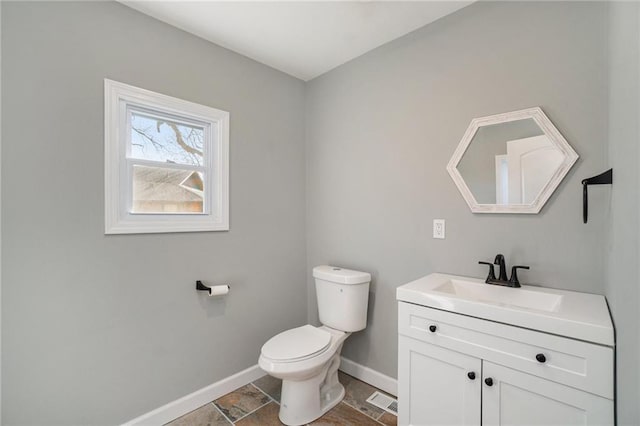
(505, 296)
(581, 316)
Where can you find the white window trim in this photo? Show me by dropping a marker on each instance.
(118, 97)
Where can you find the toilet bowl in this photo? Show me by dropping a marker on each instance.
(307, 358)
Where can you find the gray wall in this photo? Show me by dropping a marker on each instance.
(622, 275)
(99, 329)
(381, 129)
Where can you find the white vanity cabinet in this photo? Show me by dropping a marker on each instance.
(518, 398)
(434, 385)
(456, 369)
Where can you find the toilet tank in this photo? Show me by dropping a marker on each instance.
(343, 297)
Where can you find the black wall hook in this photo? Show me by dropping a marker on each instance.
(605, 178)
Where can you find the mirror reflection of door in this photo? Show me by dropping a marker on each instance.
(525, 169)
(510, 162)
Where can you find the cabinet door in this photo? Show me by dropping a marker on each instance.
(437, 386)
(515, 398)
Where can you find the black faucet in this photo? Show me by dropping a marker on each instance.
(499, 260)
(502, 275)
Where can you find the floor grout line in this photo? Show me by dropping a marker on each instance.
(387, 412)
(220, 411)
(361, 412)
(266, 394)
(251, 412)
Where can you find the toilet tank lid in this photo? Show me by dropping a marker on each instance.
(339, 275)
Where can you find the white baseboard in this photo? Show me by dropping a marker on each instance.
(188, 403)
(368, 375)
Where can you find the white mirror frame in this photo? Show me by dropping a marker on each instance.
(570, 157)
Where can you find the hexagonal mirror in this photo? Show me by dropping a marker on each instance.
(510, 163)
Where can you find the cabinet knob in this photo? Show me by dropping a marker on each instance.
(471, 375)
(433, 328)
(541, 358)
(489, 381)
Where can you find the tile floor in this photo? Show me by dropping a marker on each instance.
(258, 403)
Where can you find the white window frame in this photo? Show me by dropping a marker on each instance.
(119, 100)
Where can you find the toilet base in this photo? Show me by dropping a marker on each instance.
(304, 401)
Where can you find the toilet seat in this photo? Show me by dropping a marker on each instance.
(297, 344)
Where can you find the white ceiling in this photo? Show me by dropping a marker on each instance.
(301, 38)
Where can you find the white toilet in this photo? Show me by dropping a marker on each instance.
(307, 358)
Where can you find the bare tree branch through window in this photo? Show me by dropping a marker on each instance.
(166, 141)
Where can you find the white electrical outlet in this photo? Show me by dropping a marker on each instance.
(438, 228)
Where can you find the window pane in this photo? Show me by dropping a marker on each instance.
(159, 139)
(161, 190)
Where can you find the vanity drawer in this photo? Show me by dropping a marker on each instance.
(582, 365)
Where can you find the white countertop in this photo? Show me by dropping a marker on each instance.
(580, 316)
